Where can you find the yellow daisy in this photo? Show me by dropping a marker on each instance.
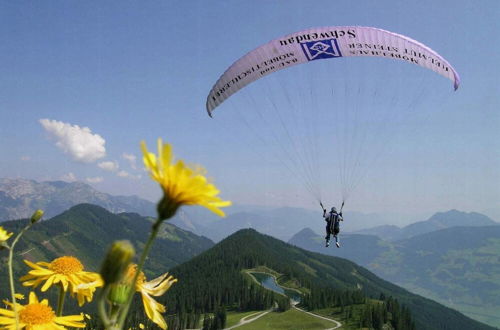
(181, 184)
(156, 287)
(4, 236)
(65, 271)
(37, 315)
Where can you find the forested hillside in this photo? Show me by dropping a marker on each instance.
(86, 231)
(215, 278)
(457, 266)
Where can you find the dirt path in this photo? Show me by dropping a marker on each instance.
(252, 317)
(248, 319)
(337, 323)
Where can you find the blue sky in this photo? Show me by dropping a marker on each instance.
(132, 71)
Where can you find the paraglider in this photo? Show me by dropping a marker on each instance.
(332, 219)
(358, 118)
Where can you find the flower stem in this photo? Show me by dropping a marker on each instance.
(115, 309)
(11, 273)
(124, 311)
(60, 301)
(101, 306)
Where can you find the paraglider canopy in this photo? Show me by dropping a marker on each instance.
(330, 114)
(325, 43)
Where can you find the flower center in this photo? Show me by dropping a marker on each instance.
(36, 314)
(66, 265)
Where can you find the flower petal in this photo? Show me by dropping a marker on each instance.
(153, 310)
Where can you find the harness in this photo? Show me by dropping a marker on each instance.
(333, 222)
(334, 217)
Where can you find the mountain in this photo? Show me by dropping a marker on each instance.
(281, 223)
(361, 249)
(86, 231)
(19, 198)
(212, 278)
(440, 220)
(458, 266)
(387, 232)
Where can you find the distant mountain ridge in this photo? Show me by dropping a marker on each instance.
(20, 197)
(282, 222)
(439, 220)
(362, 249)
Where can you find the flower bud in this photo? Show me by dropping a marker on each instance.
(118, 294)
(117, 260)
(37, 215)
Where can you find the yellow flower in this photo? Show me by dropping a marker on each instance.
(65, 271)
(4, 236)
(37, 315)
(181, 184)
(156, 287)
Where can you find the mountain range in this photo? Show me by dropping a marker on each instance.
(19, 198)
(86, 230)
(439, 220)
(282, 222)
(285, 222)
(456, 271)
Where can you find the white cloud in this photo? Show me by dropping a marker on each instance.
(132, 159)
(123, 174)
(96, 179)
(68, 177)
(109, 166)
(79, 142)
(25, 158)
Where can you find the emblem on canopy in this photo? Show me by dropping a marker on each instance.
(315, 50)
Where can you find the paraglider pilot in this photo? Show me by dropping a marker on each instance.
(332, 219)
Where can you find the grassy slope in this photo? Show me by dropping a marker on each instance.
(291, 319)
